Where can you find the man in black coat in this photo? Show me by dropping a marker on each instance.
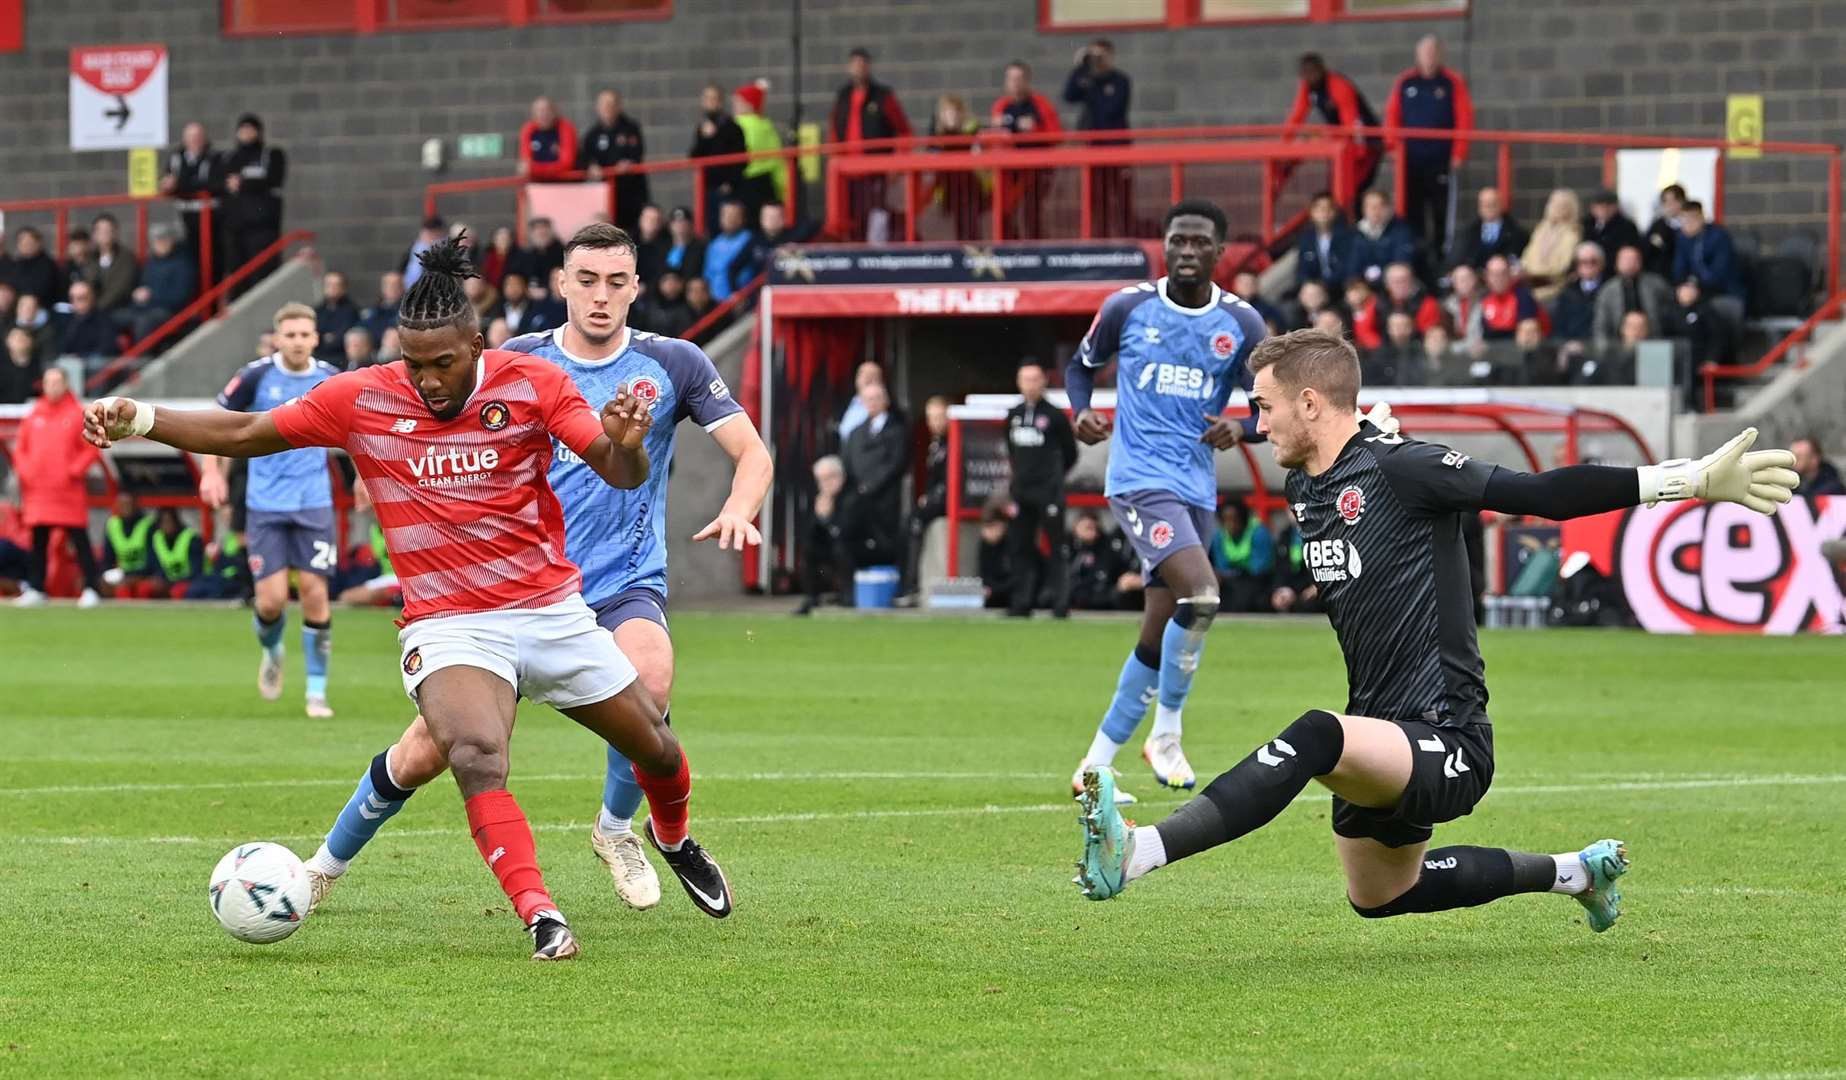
(717, 135)
(1492, 232)
(194, 178)
(254, 173)
(877, 453)
(1040, 448)
(611, 143)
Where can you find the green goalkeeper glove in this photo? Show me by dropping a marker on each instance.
(1760, 480)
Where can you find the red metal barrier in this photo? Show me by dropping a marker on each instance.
(1711, 373)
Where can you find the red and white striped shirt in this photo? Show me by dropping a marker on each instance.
(468, 516)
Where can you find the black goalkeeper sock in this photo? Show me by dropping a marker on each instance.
(1458, 877)
(1257, 788)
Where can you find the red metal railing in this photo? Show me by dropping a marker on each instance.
(60, 210)
(214, 297)
(1711, 373)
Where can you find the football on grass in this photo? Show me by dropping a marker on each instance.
(259, 892)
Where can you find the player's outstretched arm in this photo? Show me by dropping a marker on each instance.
(619, 455)
(750, 480)
(1760, 480)
(219, 432)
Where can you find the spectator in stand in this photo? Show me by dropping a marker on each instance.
(32, 271)
(53, 461)
(865, 110)
(390, 349)
(664, 310)
(717, 135)
(1550, 254)
(932, 499)
(254, 173)
(1382, 238)
(877, 457)
(179, 554)
(765, 178)
(962, 193)
(613, 144)
(540, 260)
(1573, 313)
(1399, 360)
(1526, 360)
(1243, 555)
(1611, 229)
(433, 231)
(127, 564)
(79, 264)
(382, 316)
(1103, 573)
(1633, 288)
(867, 375)
(1443, 364)
(88, 333)
(1404, 293)
(826, 565)
(1248, 287)
(1331, 320)
(651, 244)
(19, 372)
(1340, 105)
(498, 334)
(524, 313)
(29, 315)
(1818, 476)
(1365, 315)
(484, 298)
(1492, 232)
(1663, 234)
(1310, 300)
(359, 351)
(1103, 90)
(193, 177)
(492, 265)
(115, 272)
(727, 250)
(334, 315)
(685, 251)
(547, 144)
(1693, 320)
(1430, 96)
(1705, 251)
(1505, 304)
(1325, 251)
(1463, 305)
(995, 562)
(698, 298)
(1021, 110)
(772, 232)
(169, 280)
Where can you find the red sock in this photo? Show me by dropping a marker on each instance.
(505, 841)
(667, 799)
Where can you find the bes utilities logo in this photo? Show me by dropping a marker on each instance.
(448, 468)
(1176, 380)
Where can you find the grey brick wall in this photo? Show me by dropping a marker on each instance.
(353, 110)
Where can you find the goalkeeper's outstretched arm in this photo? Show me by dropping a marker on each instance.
(1760, 480)
(219, 432)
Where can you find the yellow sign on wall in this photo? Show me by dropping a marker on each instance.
(1743, 123)
(144, 173)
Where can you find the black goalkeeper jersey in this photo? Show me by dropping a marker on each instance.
(1382, 537)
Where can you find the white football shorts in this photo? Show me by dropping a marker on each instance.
(554, 655)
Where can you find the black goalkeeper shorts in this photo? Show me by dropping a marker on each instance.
(1450, 770)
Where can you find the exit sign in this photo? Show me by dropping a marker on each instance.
(481, 146)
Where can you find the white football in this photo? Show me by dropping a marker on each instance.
(259, 892)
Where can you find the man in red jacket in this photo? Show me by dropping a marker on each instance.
(865, 110)
(1340, 105)
(547, 144)
(1021, 110)
(53, 460)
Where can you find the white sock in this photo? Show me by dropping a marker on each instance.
(1148, 853)
(610, 825)
(1102, 750)
(1573, 879)
(1166, 721)
(325, 862)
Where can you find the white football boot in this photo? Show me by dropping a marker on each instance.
(1122, 798)
(318, 709)
(320, 883)
(29, 597)
(1171, 769)
(635, 880)
(269, 675)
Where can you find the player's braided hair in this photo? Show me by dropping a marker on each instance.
(437, 299)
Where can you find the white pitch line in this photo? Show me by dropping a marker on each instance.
(800, 817)
(348, 781)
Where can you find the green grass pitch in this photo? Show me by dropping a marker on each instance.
(889, 797)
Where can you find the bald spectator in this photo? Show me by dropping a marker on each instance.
(1633, 288)
(1818, 476)
(547, 143)
(1505, 305)
(1404, 294)
(614, 145)
(1492, 232)
(193, 177)
(1430, 95)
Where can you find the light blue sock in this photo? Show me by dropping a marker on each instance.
(1134, 692)
(621, 794)
(1180, 650)
(269, 634)
(317, 649)
(373, 803)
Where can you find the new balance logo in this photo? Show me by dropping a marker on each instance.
(404, 426)
(495, 857)
(1263, 755)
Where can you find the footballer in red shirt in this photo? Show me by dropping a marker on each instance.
(453, 444)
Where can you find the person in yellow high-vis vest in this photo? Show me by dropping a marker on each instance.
(125, 556)
(766, 178)
(178, 553)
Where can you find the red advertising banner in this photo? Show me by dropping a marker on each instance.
(1703, 568)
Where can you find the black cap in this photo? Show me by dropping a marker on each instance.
(680, 213)
(1605, 196)
(251, 119)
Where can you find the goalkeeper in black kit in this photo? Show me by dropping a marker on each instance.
(1381, 523)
